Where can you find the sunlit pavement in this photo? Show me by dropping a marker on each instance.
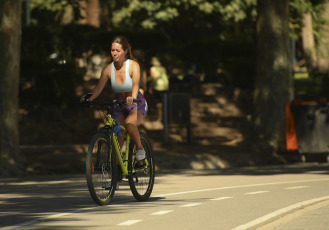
(36, 197)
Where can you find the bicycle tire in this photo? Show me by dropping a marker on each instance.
(141, 173)
(101, 169)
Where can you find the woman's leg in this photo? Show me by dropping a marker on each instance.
(134, 118)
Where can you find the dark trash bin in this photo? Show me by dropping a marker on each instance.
(311, 123)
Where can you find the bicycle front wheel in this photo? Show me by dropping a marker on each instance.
(141, 173)
(101, 170)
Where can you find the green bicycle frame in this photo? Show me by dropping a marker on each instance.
(122, 159)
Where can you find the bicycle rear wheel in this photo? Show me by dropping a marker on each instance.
(141, 173)
(101, 169)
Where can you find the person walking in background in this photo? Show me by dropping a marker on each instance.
(159, 84)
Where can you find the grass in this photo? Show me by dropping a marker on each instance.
(301, 75)
(307, 85)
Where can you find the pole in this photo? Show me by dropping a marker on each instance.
(165, 116)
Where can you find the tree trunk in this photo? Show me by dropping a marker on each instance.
(10, 40)
(105, 14)
(93, 12)
(323, 48)
(308, 42)
(274, 81)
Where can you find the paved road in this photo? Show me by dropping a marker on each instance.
(291, 197)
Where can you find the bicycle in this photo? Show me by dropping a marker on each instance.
(107, 163)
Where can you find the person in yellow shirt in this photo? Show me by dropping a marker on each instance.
(159, 84)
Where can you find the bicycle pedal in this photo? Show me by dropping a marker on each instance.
(139, 164)
(107, 186)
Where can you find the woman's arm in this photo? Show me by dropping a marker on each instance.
(135, 79)
(135, 76)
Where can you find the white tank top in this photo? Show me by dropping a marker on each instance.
(127, 86)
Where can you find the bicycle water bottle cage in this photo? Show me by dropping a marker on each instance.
(117, 128)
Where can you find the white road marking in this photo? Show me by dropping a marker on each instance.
(222, 198)
(190, 205)
(54, 216)
(237, 186)
(279, 213)
(297, 187)
(129, 222)
(161, 195)
(161, 212)
(257, 192)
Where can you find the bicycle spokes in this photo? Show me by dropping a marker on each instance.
(100, 170)
(141, 179)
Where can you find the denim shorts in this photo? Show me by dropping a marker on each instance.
(124, 110)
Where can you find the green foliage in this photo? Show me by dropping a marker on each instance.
(320, 83)
(180, 32)
(325, 86)
(47, 83)
(239, 63)
(45, 80)
(73, 40)
(51, 11)
(51, 5)
(229, 62)
(297, 10)
(37, 42)
(311, 85)
(150, 14)
(238, 10)
(69, 41)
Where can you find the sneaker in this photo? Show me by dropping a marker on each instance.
(107, 185)
(140, 154)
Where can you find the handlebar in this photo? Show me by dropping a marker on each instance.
(118, 102)
(106, 104)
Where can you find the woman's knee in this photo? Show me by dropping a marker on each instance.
(130, 126)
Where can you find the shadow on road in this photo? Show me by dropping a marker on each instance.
(33, 198)
(298, 168)
(37, 197)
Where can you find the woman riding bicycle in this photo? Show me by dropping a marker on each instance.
(124, 74)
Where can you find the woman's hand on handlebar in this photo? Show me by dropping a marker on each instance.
(86, 97)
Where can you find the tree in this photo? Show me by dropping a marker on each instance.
(323, 46)
(92, 13)
(274, 82)
(309, 41)
(309, 21)
(10, 39)
(45, 12)
(183, 20)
